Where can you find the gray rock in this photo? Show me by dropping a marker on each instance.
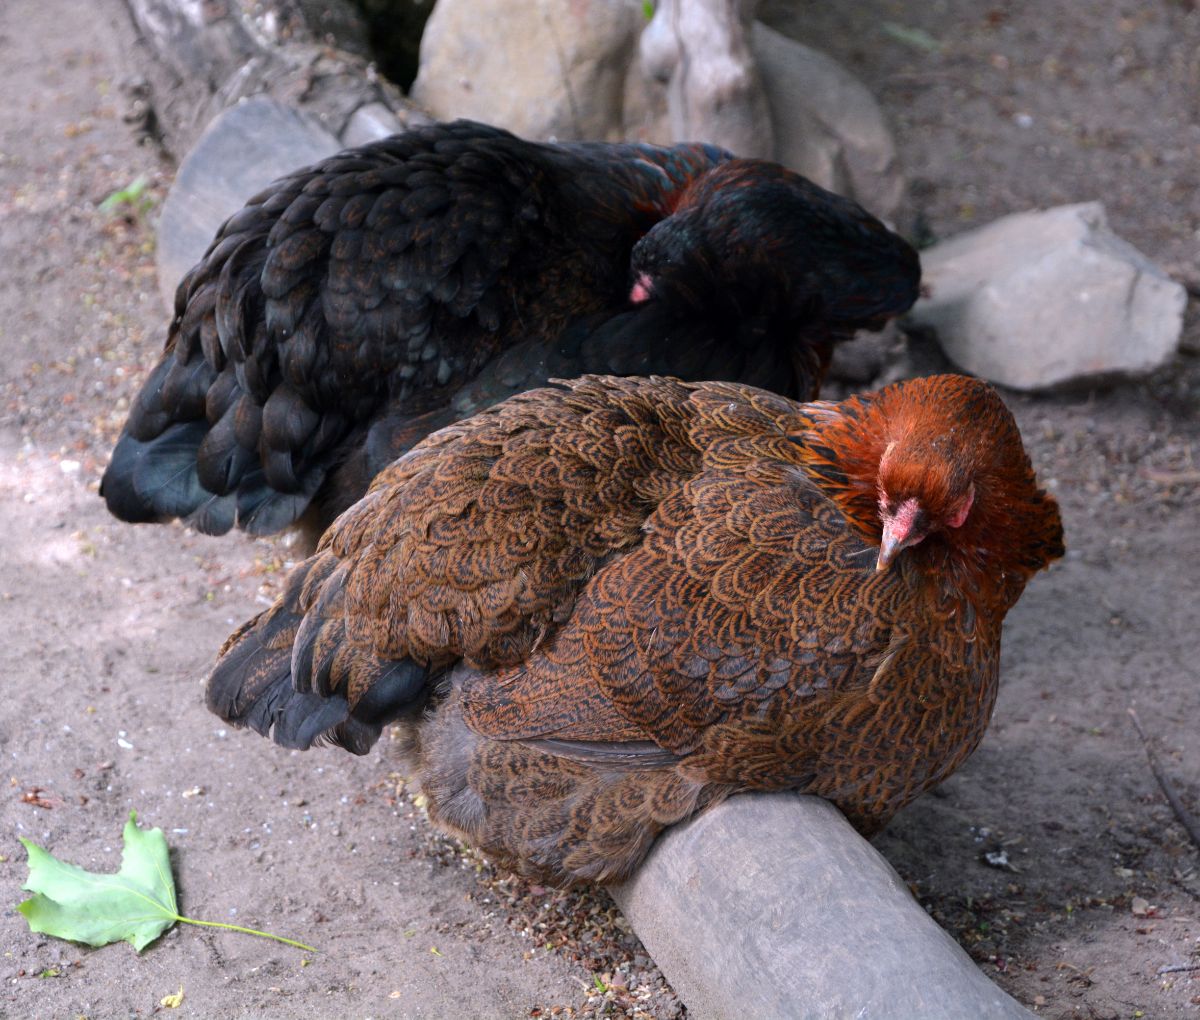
(1189, 342)
(200, 58)
(552, 70)
(371, 122)
(644, 114)
(241, 151)
(828, 126)
(918, 355)
(772, 906)
(859, 361)
(1041, 298)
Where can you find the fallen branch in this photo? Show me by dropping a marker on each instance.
(1186, 818)
(1171, 477)
(1175, 968)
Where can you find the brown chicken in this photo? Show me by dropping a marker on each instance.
(355, 306)
(600, 607)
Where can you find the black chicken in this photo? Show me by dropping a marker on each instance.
(358, 305)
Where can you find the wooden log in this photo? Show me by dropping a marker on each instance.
(200, 58)
(772, 906)
(701, 49)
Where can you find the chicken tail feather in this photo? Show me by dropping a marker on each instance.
(281, 674)
(156, 480)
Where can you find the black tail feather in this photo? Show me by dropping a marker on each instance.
(118, 488)
(262, 510)
(269, 679)
(165, 472)
(221, 458)
(160, 478)
(215, 516)
(155, 480)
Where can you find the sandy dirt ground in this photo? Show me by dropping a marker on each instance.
(1052, 856)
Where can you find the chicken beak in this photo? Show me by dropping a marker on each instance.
(900, 530)
(888, 548)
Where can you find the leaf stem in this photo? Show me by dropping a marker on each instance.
(247, 931)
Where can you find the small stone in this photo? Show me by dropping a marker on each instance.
(860, 360)
(370, 123)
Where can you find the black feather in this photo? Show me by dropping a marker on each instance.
(164, 472)
(148, 417)
(262, 510)
(220, 459)
(215, 516)
(117, 486)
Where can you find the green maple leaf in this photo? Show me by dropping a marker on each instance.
(136, 905)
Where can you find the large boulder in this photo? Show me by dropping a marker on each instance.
(1042, 298)
(827, 124)
(551, 70)
(201, 58)
(703, 70)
